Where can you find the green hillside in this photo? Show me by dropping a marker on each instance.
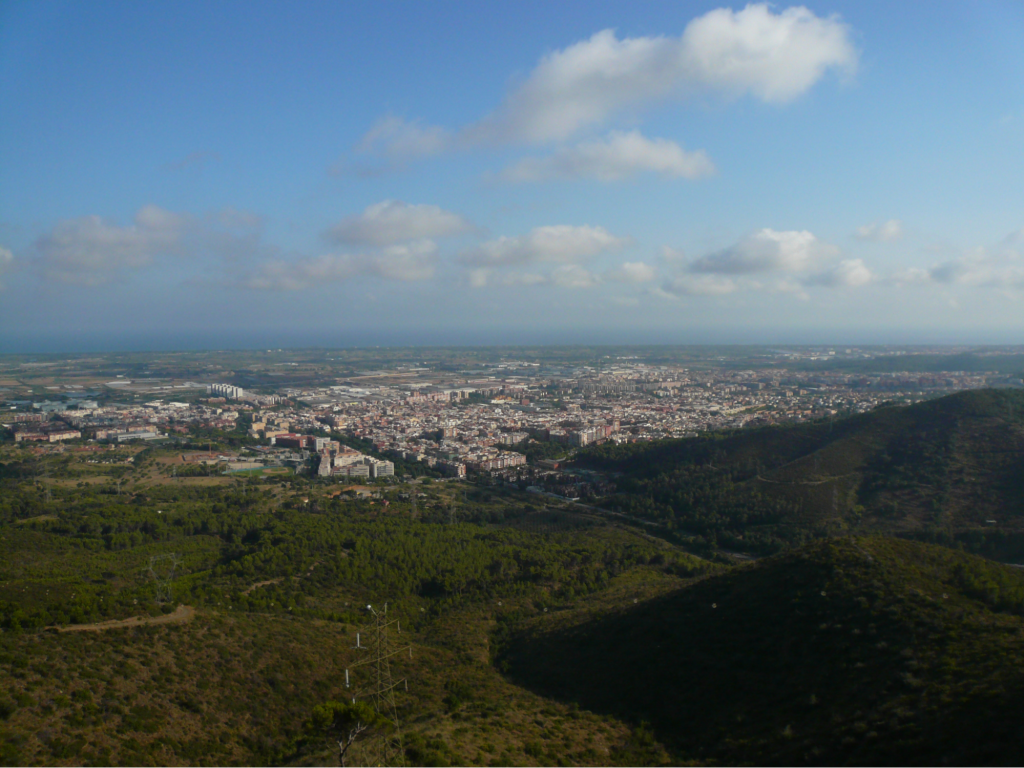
(542, 633)
(948, 470)
(853, 651)
(238, 690)
(274, 575)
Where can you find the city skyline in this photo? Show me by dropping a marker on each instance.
(182, 175)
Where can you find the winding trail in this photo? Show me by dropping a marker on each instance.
(830, 479)
(182, 614)
(259, 584)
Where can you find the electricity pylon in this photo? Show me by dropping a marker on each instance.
(387, 749)
(161, 571)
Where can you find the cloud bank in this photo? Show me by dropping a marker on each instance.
(880, 233)
(768, 251)
(400, 140)
(632, 272)
(769, 261)
(849, 273)
(92, 251)
(1000, 267)
(559, 243)
(618, 156)
(392, 221)
(407, 262)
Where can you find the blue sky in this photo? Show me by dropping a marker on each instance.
(178, 174)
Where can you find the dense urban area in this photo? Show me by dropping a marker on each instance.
(517, 418)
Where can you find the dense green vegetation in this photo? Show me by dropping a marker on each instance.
(277, 571)
(96, 547)
(535, 450)
(949, 470)
(543, 633)
(852, 651)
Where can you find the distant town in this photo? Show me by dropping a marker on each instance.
(514, 419)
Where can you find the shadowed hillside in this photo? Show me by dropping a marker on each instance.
(947, 470)
(855, 651)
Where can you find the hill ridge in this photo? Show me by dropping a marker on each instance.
(852, 650)
(940, 470)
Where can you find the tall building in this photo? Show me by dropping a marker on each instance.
(227, 390)
(380, 468)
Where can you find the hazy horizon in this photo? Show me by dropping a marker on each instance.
(101, 342)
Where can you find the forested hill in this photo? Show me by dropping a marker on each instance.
(851, 651)
(942, 470)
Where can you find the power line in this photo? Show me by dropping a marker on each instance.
(387, 749)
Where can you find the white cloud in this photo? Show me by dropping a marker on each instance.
(787, 286)
(160, 222)
(91, 251)
(559, 243)
(409, 262)
(565, 276)
(766, 261)
(911, 276)
(392, 221)
(524, 279)
(1002, 268)
(478, 277)
(579, 86)
(768, 251)
(6, 262)
(400, 140)
(774, 57)
(849, 273)
(231, 234)
(632, 272)
(970, 268)
(391, 144)
(618, 156)
(700, 285)
(881, 233)
(573, 276)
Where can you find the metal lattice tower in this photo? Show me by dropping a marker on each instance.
(380, 648)
(161, 570)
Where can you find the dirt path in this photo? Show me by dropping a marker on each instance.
(830, 479)
(259, 584)
(182, 614)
